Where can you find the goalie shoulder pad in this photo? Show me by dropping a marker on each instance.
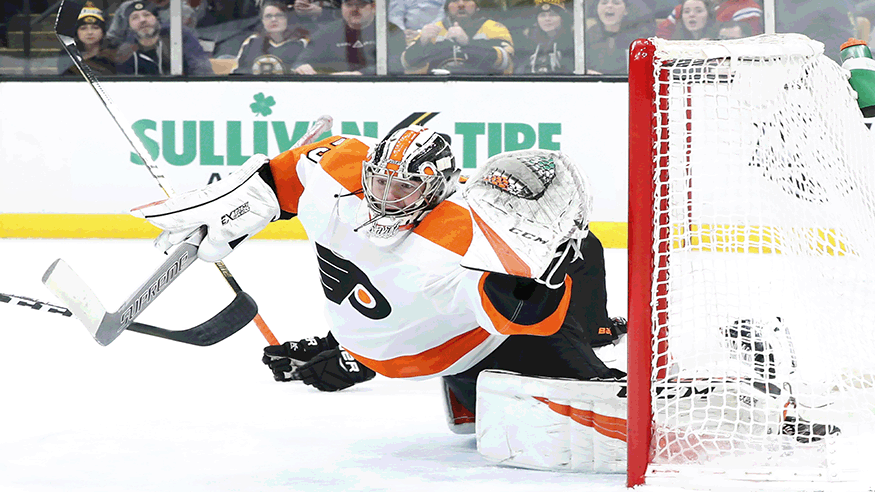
(551, 424)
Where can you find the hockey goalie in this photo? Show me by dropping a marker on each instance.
(496, 284)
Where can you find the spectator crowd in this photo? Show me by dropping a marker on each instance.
(438, 37)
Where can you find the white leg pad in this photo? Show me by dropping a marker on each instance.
(551, 424)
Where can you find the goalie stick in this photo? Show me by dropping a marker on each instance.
(221, 326)
(65, 30)
(104, 326)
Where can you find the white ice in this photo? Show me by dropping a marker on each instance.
(145, 414)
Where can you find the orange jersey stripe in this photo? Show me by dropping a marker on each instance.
(285, 176)
(449, 226)
(548, 326)
(340, 157)
(612, 427)
(432, 361)
(511, 262)
(344, 163)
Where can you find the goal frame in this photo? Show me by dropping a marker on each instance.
(650, 247)
(642, 188)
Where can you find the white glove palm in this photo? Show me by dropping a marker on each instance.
(232, 209)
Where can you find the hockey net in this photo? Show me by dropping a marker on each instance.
(752, 266)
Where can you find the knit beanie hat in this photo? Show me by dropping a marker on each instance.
(142, 5)
(557, 6)
(91, 15)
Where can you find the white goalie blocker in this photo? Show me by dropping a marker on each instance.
(551, 424)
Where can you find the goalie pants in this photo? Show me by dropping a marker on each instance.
(565, 354)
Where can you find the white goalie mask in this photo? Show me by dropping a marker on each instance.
(405, 175)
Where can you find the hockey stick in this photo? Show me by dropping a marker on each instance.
(65, 30)
(221, 326)
(104, 326)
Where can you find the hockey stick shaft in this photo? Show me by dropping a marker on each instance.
(65, 30)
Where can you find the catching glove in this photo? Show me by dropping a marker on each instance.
(284, 360)
(334, 370)
(233, 209)
(531, 202)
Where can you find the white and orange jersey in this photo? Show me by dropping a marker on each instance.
(408, 309)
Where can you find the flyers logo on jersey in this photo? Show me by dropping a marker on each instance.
(342, 280)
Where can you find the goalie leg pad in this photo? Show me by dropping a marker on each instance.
(551, 424)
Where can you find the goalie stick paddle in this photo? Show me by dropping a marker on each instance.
(65, 30)
(104, 326)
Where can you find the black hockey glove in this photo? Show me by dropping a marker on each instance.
(284, 360)
(334, 370)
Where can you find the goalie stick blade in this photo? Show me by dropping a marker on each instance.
(221, 326)
(105, 327)
(67, 286)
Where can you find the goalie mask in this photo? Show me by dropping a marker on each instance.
(405, 175)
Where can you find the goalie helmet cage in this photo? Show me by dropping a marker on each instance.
(751, 266)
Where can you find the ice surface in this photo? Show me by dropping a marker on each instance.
(145, 414)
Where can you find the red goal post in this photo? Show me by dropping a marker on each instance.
(751, 267)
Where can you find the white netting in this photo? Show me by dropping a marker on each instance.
(765, 277)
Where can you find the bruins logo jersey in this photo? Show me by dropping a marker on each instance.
(268, 65)
(490, 49)
(260, 56)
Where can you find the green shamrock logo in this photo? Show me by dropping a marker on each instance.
(262, 104)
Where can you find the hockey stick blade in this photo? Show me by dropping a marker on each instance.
(34, 304)
(221, 326)
(105, 327)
